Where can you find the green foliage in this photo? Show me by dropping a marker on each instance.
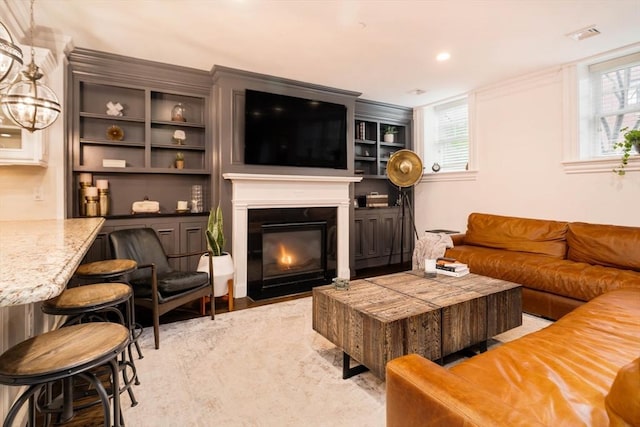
(390, 129)
(631, 138)
(215, 232)
(179, 155)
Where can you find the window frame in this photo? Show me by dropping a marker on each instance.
(425, 117)
(580, 135)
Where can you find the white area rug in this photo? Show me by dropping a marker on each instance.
(263, 366)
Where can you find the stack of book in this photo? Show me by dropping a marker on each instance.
(450, 267)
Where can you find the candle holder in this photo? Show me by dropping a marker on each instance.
(82, 198)
(92, 205)
(103, 201)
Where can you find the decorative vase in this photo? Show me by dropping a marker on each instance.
(179, 113)
(388, 137)
(223, 270)
(180, 164)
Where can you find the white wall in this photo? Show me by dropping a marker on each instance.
(520, 128)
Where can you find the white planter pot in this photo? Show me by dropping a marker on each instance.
(388, 137)
(223, 270)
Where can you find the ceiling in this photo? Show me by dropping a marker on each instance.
(385, 49)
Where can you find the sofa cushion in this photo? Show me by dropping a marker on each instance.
(517, 234)
(622, 410)
(570, 279)
(561, 375)
(608, 245)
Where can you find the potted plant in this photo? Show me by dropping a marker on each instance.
(223, 268)
(389, 131)
(179, 160)
(631, 140)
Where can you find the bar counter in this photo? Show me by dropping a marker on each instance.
(37, 258)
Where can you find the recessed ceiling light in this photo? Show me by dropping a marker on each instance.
(584, 33)
(417, 91)
(443, 56)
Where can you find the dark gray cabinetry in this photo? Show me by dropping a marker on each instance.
(146, 137)
(378, 233)
(136, 150)
(178, 234)
(372, 148)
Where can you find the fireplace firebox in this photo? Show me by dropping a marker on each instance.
(290, 250)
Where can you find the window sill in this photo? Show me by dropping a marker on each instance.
(600, 165)
(469, 175)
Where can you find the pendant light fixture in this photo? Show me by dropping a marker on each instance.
(10, 58)
(28, 102)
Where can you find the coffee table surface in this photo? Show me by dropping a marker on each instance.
(384, 317)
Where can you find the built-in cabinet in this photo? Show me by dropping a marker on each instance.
(179, 235)
(129, 122)
(377, 231)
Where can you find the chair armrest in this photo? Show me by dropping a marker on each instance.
(422, 393)
(200, 253)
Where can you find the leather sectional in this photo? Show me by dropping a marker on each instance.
(560, 265)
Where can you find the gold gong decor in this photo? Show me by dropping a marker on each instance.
(404, 168)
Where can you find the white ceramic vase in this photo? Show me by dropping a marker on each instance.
(223, 270)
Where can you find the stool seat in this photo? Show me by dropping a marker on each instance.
(106, 269)
(94, 296)
(60, 353)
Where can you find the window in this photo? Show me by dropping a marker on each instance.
(615, 89)
(446, 135)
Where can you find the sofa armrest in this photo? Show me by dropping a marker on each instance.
(423, 393)
(458, 239)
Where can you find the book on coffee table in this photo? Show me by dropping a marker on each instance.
(457, 273)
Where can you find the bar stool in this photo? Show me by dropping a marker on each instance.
(61, 355)
(108, 270)
(96, 302)
(105, 269)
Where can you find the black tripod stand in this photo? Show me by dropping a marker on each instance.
(405, 202)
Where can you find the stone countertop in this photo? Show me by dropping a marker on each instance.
(37, 258)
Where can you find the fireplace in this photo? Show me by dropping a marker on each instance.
(261, 191)
(290, 250)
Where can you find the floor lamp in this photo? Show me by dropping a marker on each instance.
(404, 170)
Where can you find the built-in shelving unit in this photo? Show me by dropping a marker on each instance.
(377, 231)
(141, 139)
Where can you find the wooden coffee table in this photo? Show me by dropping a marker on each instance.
(381, 318)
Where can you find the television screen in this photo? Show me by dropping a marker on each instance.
(288, 131)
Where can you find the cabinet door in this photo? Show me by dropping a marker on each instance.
(389, 233)
(192, 239)
(99, 249)
(169, 237)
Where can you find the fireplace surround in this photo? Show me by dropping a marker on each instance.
(290, 250)
(264, 191)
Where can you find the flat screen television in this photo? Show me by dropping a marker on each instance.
(284, 130)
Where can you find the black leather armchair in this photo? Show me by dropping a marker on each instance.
(156, 285)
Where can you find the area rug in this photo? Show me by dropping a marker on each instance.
(263, 366)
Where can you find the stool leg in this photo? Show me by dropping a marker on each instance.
(67, 393)
(104, 397)
(116, 392)
(15, 408)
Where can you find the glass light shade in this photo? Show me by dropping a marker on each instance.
(10, 58)
(30, 104)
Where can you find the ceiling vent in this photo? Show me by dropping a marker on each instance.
(584, 33)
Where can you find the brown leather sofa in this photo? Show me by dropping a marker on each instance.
(583, 370)
(560, 265)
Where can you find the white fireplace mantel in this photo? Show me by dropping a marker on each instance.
(263, 191)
